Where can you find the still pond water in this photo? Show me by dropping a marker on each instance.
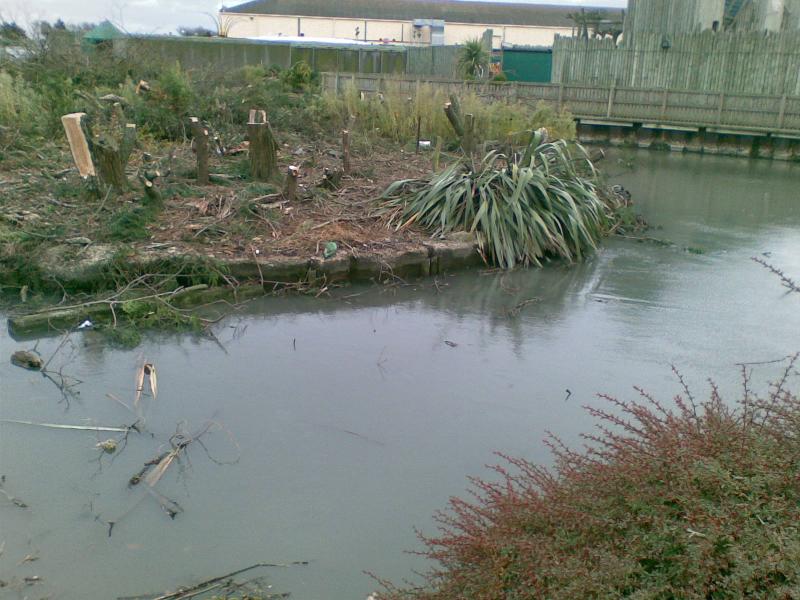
(355, 420)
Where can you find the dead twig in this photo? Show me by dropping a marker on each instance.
(785, 279)
(125, 429)
(185, 593)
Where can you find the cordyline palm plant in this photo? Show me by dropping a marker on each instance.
(473, 60)
(545, 204)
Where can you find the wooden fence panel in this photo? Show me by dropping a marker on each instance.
(760, 112)
(729, 62)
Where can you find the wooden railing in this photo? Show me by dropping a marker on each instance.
(759, 114)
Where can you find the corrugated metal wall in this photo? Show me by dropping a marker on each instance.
(747, 63)
(435, 61)
(528, 65)
(228, 54)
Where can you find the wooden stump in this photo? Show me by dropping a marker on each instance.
(263, 150)
(200, 134)
(346, 151)
(78, 144)
(110, 156)
(468, 141)
(455, 119)
(419, 132)
(290, 191)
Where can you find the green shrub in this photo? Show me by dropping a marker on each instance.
(163, 110)
(299, 77)
(546, 205)
(700, 501)
(20, 106)
(394, 115)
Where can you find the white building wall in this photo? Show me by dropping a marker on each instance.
(254, 26)
(349, 29)
(243, 26)
(534, 36)
(388, 30)
(316, 27)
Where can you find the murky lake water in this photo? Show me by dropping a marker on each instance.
(356, 420)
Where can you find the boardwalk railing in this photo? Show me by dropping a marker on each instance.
(761, 114)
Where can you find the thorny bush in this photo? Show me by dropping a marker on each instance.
(697, 501)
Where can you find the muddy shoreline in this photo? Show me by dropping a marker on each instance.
(251, 277)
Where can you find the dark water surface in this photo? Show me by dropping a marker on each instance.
(356, 421)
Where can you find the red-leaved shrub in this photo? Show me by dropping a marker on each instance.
(697, 501)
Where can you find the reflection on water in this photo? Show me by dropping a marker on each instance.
(357, 416)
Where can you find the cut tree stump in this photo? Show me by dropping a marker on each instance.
(110, 148)
(262, 149)
(346, 151)
(468, 141)
(78, 144)
(451, 110)
(111, 156)
(200, 134)
(290, 191)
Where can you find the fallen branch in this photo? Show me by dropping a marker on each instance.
(785, 279)
(13, 499)
(126, 429)
(185, 593)
(517, 308)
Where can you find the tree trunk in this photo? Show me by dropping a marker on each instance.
(346, 151)
(200, 134)
(290, 192)
(468, 141)
(263, 150)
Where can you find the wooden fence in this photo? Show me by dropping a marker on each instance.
(731, 63)
(680, 108)
(226, 54)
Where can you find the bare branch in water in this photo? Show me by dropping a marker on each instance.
(785, 279)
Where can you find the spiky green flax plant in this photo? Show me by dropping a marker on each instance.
(544, 205)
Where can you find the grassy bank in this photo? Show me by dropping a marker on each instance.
(61, 237)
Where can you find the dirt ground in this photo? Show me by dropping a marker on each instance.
(44, 200)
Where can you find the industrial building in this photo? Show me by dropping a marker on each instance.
(411, 22)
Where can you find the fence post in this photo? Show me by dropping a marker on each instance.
(611, 92)
(720, 108)
(782, 112)
(664, 105)
(560, 97)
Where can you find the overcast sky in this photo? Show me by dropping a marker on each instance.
(160, 16)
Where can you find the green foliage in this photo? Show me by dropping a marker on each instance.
(520, 212)
(130, 222)
(11, 33)
(163, 111)
(19, 105)
(473, 59)
(300, 77)
(394, 116)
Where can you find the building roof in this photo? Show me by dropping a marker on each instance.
(453, 11)
(103, 32)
